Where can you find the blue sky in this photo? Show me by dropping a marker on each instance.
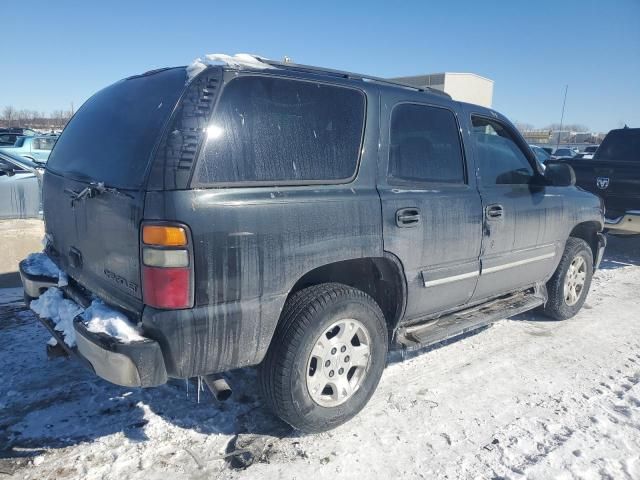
(55, 55)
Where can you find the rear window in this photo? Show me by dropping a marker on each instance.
(620, 145)
(111, 138)
(281, 131)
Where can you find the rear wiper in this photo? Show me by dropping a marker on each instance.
(93, 190)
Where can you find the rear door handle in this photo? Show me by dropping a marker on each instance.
(494, 211)
(407, 217)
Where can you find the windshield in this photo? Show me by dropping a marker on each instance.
(620, 145)
(111, 138)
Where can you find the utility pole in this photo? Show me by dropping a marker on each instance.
(566, 88)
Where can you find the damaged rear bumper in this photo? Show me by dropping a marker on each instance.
(34, 285)
(135, 364)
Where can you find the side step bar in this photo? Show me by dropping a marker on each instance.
(437, 330)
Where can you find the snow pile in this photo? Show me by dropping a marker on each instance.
(239, 60)
(41, 264)
(99, 318)
(52, 304)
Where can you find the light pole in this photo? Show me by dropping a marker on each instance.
(566, 88)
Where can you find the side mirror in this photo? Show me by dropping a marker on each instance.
(560, 174)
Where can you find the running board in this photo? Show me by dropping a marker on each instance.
(458, 323)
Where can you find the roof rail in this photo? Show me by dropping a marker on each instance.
(343, 74)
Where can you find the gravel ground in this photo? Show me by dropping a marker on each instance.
(525, 398)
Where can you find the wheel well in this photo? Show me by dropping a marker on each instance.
(587, 231)
(380, 277)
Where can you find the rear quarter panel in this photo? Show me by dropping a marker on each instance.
(251, 245)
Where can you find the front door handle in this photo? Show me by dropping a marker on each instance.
(494, 211)
(407, 217)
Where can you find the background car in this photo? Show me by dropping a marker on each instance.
(8, 136)
(20, 187)
(541, 154)
(36, 148)
(588, 152)
(563, 152)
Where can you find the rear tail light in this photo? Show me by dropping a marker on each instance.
(167, 272)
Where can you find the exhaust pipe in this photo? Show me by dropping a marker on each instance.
(218, 387)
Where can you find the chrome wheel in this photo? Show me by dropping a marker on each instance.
(574, 280)
(338, 363)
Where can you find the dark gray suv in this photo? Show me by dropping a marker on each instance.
(304, 220)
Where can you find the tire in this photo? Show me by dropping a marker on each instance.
(561, 304)
(291, 374)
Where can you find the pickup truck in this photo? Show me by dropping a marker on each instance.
(302, 219)
(614, 174)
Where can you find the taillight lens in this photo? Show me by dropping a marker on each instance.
(167, 275)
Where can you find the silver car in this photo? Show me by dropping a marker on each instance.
(20, 182)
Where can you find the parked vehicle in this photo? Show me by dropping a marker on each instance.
(36, 148)
(563, 153)
(541, 155)
(587, 153)
(614, 174)
(305, 220)
(24, 132)
(7, 139)
(20, 181)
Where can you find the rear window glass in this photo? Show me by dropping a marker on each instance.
(110, 139)
(621, 145)
(280, 131)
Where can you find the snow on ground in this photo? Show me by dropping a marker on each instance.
(526, 398)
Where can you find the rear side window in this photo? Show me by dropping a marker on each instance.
(500, 160)
(425, 145)
(280, 131)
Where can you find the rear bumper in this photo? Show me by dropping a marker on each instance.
(34, 285)
(136, 364)
(628, 223)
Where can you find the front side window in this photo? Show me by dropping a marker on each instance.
(282, 131)
(425, 145)
(500, 159)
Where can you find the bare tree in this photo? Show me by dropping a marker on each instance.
(523, 126)
(8, 113)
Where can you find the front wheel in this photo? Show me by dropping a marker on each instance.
(326, 357)
(569, 285)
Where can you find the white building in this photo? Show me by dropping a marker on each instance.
(464, 87)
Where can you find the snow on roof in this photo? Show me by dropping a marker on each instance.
(239, 60)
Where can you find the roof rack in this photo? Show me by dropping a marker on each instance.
(343, 74)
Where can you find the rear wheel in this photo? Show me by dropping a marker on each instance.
(569, 285)
(326, 357)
